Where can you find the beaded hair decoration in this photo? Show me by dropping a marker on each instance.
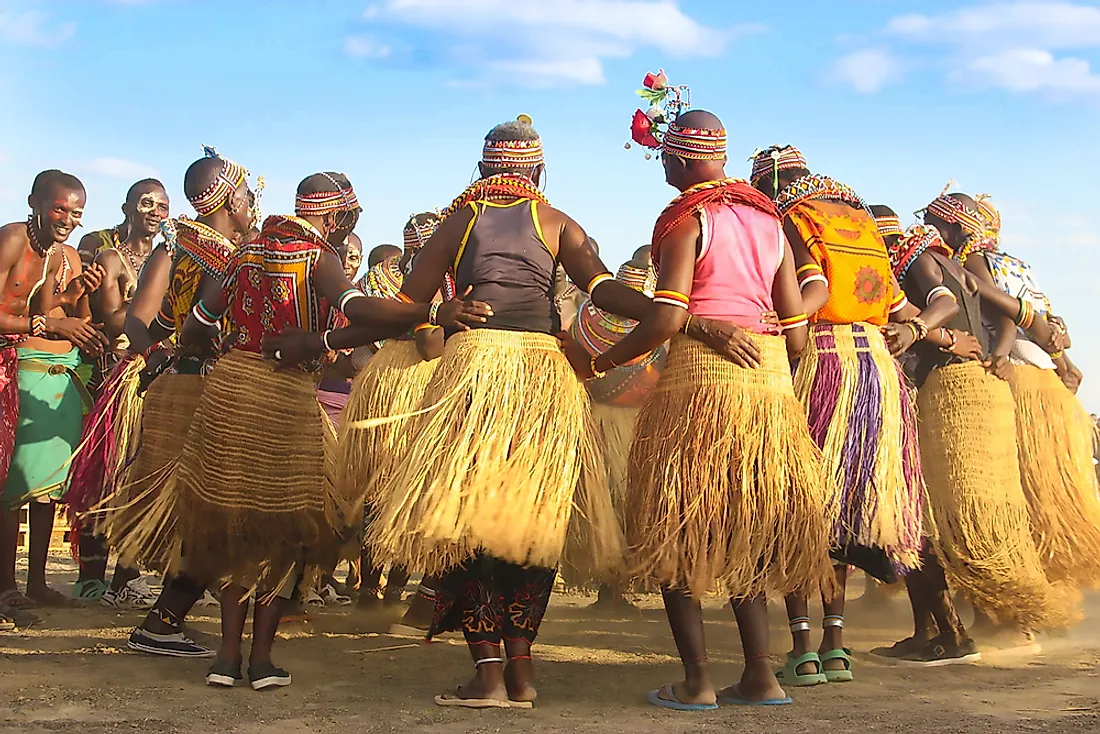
(990, 214)
(214, 196)
(513, 153)
(770, 161)
(911, 244)
(952, 210)
(416, 235)
(325, 202)
(655, 128)
(889, 225)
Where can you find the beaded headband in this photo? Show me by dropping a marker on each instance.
(214, 196)
(651, 128)
(911, 244)
(697, 144)
(513, 153)
(770, 161)
(989, 213)
(324, 202)
(416, 235)
(889, 224)
(954, 211)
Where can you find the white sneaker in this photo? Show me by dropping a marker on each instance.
(136, 594)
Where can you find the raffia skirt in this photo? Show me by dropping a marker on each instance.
(1054, 437)
(503, 459)
(254, 489)
(106, 447)
(981, 531)
(137, 518)
(863, 418)
(392, 383)
(726, 488)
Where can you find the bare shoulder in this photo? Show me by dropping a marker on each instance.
(109, 259)
(13, 240)
(73, 256)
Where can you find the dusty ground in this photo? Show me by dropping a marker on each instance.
(73, 673)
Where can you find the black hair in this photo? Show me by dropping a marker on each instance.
(146, 184)
(53, 179)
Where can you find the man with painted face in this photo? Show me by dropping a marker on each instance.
(145, 208)
(42, 398)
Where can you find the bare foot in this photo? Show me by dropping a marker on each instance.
(47, 597)
(757, 683)
(15, 599)
(519, 679)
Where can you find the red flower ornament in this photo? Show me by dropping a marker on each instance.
(641, 131)
(655, 81)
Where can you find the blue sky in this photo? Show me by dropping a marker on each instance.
(894, 98)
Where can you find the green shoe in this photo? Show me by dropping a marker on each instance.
(91, 590)
(838, 676)
(789, 675)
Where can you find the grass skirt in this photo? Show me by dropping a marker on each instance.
(981, 530)
(725, 486)
(615, 431)
(392, 383)
(862, 417)
(135, 516)
(1054, 436)
(504, 459)
(106, 446)
(254, 486)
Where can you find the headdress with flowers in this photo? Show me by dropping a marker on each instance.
(656, 128)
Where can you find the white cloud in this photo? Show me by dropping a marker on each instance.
(551, 42)
(1017, 45)
(1033, 70)
(118, 168)
(361, 47)
(33, 28)
(868, 71)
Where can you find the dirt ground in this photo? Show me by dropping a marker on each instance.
(74, 673)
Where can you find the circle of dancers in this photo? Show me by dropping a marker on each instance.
(785, 383)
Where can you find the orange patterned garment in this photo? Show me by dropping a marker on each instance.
(846, 244)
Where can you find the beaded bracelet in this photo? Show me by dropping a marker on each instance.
(203, 316)
(38, 325)
(920, 329)
(349, 295)
(597, 280)
(1057, 355)
(671, 298)
(596, 374)
(324, 340)
(793, 322)
(950, 334)
(687, 325)
(433, 313)
(425, 327)
(900, 302)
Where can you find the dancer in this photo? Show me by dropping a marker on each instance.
(440, 505)
(218, 190)
(392, 383)
(102, 446)
(45, 313)
(725, 484)
(859, 408)
(617, 397)
(255, 495)
(1054, 433)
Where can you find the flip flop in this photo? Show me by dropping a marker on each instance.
(674, 703)
(16, 599)
(7, 624)
(739, 701)
(451, 698)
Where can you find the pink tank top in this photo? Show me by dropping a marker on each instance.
(736, 268)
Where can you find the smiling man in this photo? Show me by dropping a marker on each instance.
(43, 397)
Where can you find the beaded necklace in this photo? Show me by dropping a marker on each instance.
(208, 247)
(500, 187)
(814, 186)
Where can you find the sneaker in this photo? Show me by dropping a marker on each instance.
(267, 676)
(175, 645)
(90, 590)
(136, 594)
(330, 595)
(941, 651)
(224, 673)
(900, 649)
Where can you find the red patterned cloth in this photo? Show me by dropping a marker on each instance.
(9, 407)
(269, 284)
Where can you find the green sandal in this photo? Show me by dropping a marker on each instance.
(838, 676)
(790, 676)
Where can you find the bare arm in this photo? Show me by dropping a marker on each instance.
(816, 294)
(788, 302)
(147, 300)
(429, 343)
(660, 321)
(1005, 327)
(924, 276)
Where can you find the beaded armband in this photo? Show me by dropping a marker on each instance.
(793, 322)
(940, 291)
(671, 298)
(900, 301)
